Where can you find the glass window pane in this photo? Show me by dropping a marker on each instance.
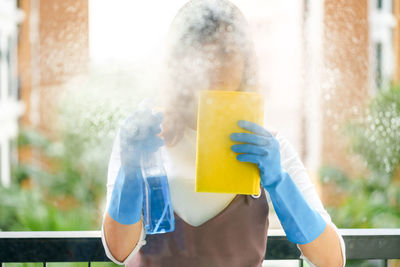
(85, 68)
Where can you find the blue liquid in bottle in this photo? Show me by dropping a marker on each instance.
(157, 208)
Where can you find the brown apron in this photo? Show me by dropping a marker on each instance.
(237, 236)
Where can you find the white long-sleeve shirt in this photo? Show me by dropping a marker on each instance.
(196, 208)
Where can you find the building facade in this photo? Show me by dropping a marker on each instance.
(53, 46)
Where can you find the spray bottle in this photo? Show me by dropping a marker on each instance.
(157, 208)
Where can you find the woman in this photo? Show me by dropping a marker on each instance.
(210, 49)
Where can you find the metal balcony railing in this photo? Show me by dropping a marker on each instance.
(86, 246)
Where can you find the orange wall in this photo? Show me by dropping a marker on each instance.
(63, 31)
(64, 49)
(51, 49)
(24, 61)
(53, 46)
(345, 78)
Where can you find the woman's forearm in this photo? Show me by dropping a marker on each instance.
(121, 238)
(325, 250)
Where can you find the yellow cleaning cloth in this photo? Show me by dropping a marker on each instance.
(217, 169)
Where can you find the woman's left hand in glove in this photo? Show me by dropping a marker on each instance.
(261, 148)
(302, 224)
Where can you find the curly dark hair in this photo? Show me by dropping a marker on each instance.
(196, 26)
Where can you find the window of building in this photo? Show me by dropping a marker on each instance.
(378, 64)
(10, 65)
(379, 4)
(381, 28)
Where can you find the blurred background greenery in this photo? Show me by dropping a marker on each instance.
(64, 189)
(67, 192)
(371, 200)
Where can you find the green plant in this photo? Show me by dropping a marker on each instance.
(371, 201)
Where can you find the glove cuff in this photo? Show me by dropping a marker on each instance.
(127, 198)
(302, 224)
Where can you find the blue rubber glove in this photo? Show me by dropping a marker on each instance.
(301, 223)
(138, 135)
